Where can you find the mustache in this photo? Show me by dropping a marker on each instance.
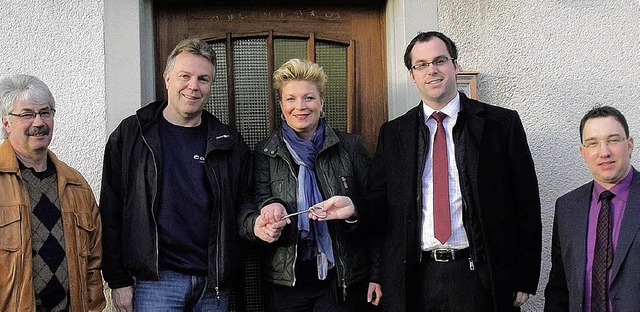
(39, 130)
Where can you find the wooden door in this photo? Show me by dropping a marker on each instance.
(254, 38)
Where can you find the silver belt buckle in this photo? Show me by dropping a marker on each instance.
(452, 252)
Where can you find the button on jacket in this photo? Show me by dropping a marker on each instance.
(82, 235)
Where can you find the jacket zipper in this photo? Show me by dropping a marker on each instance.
(295, 253)
(465, 210)
(344, 182)
(155, 198)
(295, 256)
(217, 288)
(341, 276)
(340, 272)
(472, 252)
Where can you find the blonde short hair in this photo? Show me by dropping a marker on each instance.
(297, 69)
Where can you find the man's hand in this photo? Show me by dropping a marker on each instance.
(122, 299)
(521, 298)
(374, 289)
(269, 224)
(336, 207)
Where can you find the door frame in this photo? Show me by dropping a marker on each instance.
(130, 81)
(363, 25)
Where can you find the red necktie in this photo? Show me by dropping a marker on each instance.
(441, 212)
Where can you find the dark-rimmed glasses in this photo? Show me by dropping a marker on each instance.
(45, 114)
(438, 61)
(314, 210)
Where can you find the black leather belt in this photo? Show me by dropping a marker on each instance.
(445, 254)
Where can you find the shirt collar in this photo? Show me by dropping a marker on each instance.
(622, 185)
(451, 109)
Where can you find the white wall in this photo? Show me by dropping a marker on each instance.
(402, 25)
(129, 58)
(551, 61)
(62, 43)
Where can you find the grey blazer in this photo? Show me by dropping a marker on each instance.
(565, 289)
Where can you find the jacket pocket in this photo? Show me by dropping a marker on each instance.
(10, 230)
(349, 186)
(276, 188)
(84, 229)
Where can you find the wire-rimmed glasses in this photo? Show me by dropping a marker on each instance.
(610, 142)
(314, 210)
(45, 114)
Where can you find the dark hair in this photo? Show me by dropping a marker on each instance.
(427, 36)
(604, 111)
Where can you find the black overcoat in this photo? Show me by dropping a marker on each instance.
(500, 195)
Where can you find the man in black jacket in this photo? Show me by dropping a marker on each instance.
(174, 177)
(481, 251)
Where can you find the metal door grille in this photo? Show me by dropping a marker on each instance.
(242, 93)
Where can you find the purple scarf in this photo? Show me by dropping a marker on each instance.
(316, 241)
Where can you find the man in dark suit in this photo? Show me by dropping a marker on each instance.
(596, 244)
(482, 251)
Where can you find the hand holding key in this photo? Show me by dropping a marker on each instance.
(315, 210)
(334, 208)
(268, 225)
(273, 218)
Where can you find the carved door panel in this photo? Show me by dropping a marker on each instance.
(251, 42)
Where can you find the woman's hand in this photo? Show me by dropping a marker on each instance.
(335, 208)
(374, 293)
(269, 224)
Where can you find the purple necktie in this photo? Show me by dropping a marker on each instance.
(602, 256)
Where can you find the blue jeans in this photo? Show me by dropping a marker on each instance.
(179, 292)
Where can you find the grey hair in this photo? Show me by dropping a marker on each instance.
(23, 88)
(195, 47)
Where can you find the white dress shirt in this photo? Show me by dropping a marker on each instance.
(458, 239)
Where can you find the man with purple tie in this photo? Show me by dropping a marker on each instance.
(595, 242)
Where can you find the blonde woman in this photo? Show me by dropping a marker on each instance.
(308, 183)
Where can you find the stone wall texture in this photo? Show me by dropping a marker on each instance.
(551, 60)
(61, 42)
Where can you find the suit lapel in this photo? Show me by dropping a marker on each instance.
(471, 120)
(629, 226)
(578, 223)
(407, 138)
(474, 120)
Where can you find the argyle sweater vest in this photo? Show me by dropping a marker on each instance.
(50, 273)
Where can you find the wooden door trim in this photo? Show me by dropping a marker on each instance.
(351, 87)
(231, 84)
(364, 24)
(272, 93)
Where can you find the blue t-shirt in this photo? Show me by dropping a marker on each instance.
(184, 211)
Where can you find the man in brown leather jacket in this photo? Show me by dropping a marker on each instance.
(50, 230)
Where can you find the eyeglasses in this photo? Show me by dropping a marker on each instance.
(611, 142)
(438, 61)
(314, 210)
(45, 114)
